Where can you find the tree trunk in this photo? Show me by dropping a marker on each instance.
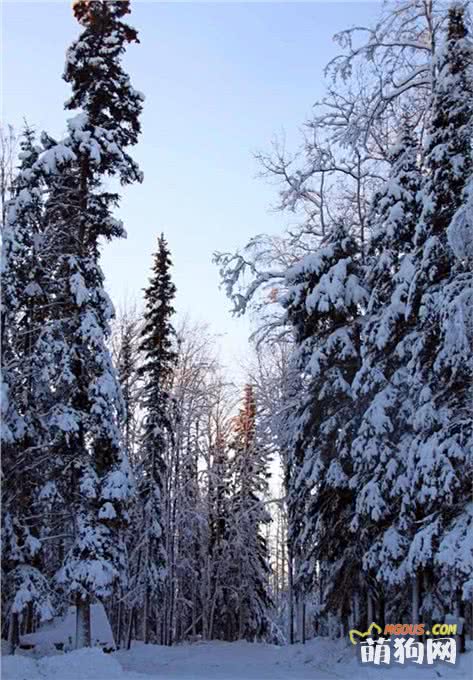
(157, 631)
(356, 610)
(427, 601)
(83, 638)
(146, 618)
(460, 613)
(241, 620)
(290, 575)
(212, 614)
(118, 640)
(30, 618)
(194, 612)
(171, 626)
(369, 607)
(303, 623)
(13, 633)
(299, 617)
(416, 598)
(382, 612)
(130, 628)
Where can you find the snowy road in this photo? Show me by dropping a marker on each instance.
(317, 660)
(225, 661)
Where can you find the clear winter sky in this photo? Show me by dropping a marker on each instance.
(220, 80)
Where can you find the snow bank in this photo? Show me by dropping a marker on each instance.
(19, 668)
(319, 659)
(83, 664)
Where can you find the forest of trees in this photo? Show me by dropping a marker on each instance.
(137, 474)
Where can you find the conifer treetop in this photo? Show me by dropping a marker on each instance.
(101, 87)
(158, 333)
(449, 140)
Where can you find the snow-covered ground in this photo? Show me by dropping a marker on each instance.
(319, 659)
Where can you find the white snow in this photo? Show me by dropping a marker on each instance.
(83, 664)
(62, 630)
(459, 233)
(19, 668)
(319, 659)
(51, 160)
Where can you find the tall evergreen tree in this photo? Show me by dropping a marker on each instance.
(158, 347)
(381, 385)
(215, 593)
(187, 503)
(25, 392)
(297, 496)
(439, 459)
(324, 303)
(95, 479)
(127, 366)
(251, 601)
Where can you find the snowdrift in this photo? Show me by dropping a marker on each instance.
(319, 659)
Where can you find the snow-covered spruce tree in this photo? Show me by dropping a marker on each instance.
(95, 479)
(296, 493)
(127, 366)
(250, 603)
(25, 396)
(217, 589)
(437, 497)
(187, 519)
(126, 357)
(324, 302)
(381, 385)
(159, 352)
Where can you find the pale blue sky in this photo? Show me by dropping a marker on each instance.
(220, 79)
